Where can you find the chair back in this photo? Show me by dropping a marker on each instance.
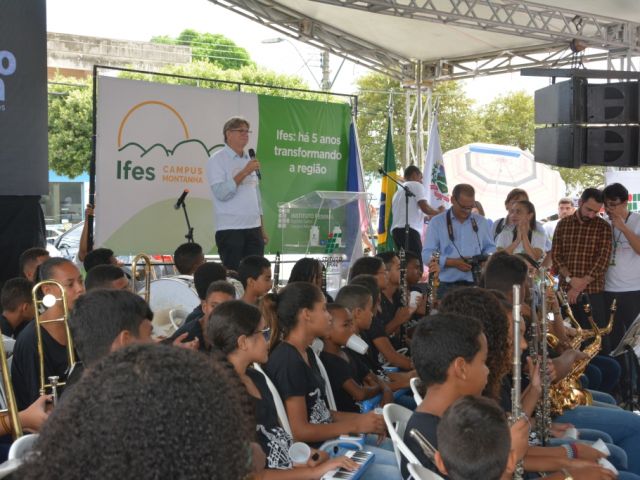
(396, 418)
(417, 396)
(418, 472)
(277, 400)
(327, 384)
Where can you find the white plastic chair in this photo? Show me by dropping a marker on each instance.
(327, 384)
(396, 418)
(277, 400)
(418, 472)
(413, 383)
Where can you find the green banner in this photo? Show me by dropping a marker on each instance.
(303, 147)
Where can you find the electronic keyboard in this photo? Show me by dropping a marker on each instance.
(362, 458)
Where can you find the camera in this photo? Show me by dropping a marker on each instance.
(476, 266)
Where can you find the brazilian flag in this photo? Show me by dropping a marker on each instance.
(385, 241)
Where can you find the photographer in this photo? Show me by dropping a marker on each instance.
(463, 239)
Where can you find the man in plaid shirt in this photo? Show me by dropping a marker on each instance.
(581, 252)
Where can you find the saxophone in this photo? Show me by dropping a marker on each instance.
(540, 327)
(568, 393)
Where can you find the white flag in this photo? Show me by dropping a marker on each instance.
(434, 178)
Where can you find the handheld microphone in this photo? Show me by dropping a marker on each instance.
(252, 156)
(180, 201)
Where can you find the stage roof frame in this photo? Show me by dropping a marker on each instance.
(455, 39)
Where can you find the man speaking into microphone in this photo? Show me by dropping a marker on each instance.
(234, 174)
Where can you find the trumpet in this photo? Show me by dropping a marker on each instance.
(147, 274)
(49, 301)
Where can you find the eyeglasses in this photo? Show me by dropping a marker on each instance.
(613, 205)
(241, 130)
(264, 331)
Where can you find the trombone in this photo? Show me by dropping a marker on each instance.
(147, 274)
(12, 406)
(49, 301)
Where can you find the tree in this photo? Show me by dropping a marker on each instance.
(509, 120)
(210, 47)
(459, 123)
(70, 126)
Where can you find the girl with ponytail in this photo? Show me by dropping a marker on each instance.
(237, 329)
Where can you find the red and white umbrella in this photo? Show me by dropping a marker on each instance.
(494, 170)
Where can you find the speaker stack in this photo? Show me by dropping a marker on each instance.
(588, 124)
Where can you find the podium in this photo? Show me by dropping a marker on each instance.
(326, 225)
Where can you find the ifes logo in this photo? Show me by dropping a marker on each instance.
(145, 116)
(7, 68)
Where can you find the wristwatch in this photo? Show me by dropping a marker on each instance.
(568, 280)
(567, 475)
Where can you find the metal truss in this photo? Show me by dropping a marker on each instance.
(320, 35)
(520, 17)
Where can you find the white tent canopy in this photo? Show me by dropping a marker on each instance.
(454, 38)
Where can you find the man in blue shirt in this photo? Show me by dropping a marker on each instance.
(459, 235)
(233, 178)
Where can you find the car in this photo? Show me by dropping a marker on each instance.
(69, 242)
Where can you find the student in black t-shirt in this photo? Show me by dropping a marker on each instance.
(376, 336)
(30, 260)
(237, 330)
(301, 316)
(106, 276)
(25, 366)
(103, 321)
(449, 352)
(351, 381)
(17, 306)
(255, 275)
(218, 292)
(464, 451)
(188, 257)
(205, 275)
(310, 270)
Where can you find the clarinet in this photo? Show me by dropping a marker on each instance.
(516, 401)
(276, 273)
(404, 286)
(544, 427)
(434, 283)
(323, 286)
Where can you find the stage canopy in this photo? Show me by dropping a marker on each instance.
(455, 39)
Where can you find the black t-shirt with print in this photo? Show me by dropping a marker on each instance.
(294, 378)
(427, 425)
(273, 439)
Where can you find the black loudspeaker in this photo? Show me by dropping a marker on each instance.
(562, 102)
(612, 146)
(560, 146)
(612, 102)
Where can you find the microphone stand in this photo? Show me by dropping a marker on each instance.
(407, 193)
(189, 235)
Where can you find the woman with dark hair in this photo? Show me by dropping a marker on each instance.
(126, 419)
(237, 330)
(310, 270)
(301, 316)
(525, 235)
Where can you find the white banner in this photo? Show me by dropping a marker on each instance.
(631, 180)
(153, 141)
